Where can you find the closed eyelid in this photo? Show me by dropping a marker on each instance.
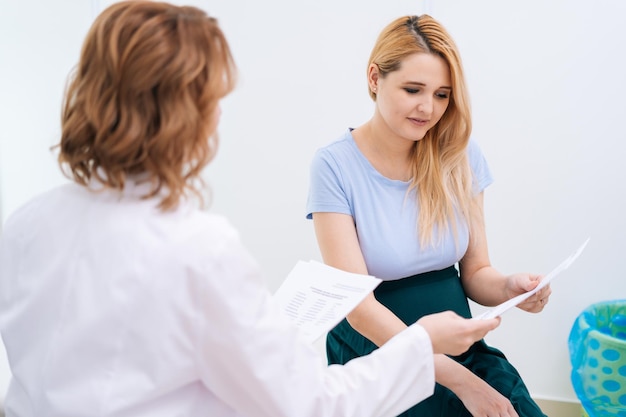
(444, 92)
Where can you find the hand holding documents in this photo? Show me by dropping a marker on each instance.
(498, 310)
(316, 296)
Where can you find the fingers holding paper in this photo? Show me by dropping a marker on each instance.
(537, 302)
(522, 283)
(453, 334)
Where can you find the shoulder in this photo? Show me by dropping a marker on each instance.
(474, 150)
(479, 166)
(36, 207)
(205, 231)
(475, 155)
(215, 255)
(201, 245)
(336, 157)
(339, 148)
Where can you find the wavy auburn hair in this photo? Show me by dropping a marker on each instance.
(441, 173)
(143, 99)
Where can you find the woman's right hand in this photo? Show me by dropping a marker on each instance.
(482, 400)
(452, 334)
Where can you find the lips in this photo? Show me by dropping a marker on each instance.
(419, 122)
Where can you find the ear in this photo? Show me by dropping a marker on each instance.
(373, 76)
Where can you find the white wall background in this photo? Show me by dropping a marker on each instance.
(547, 85)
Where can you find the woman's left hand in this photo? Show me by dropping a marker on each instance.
(524, 282)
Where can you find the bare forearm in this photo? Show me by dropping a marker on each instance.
(452, 374)
(485, 286)
(375, 321)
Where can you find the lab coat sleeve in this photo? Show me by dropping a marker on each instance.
(253, 359)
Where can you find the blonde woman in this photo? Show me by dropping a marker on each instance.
(400, 197)
(119, 296)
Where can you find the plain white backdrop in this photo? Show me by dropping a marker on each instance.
(547, 87)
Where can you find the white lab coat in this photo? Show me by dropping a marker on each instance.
(110, 307)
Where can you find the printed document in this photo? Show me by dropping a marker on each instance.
(316, 297)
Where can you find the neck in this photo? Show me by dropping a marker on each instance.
(389, 154)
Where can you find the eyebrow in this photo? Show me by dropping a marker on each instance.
(419, 84)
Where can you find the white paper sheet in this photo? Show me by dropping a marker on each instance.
(498, 310)
(316, 296)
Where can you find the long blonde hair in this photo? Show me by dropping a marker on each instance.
(144, 98)
(441, 174)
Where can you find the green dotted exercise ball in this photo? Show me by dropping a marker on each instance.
(597, 345)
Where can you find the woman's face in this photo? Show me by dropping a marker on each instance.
(412, 99)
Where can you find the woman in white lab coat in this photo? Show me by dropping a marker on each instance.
(119, 296)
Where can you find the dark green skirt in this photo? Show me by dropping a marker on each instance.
(419, 295)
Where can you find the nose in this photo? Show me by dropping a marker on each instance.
(425, 105)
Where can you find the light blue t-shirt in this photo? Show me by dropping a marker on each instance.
(344, 181)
